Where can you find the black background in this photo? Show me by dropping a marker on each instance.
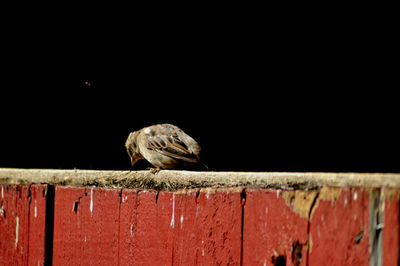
(256, 96)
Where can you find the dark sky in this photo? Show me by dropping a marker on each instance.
(255, 103)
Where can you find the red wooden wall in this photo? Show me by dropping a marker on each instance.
(84, 226)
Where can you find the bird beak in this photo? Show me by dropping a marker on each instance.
(134, 160)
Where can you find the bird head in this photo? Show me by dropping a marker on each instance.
(132, 147)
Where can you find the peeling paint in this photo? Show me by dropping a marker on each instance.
(16, 231)
(173, 211)
(300, 201)
(91, 201)
(327, 194)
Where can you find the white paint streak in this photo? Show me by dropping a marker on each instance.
(91, 200)
(181, 220)
(173, 211)
(16, 231)
(355, 196)
(277, 193)
(35, 208)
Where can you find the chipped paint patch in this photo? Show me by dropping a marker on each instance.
(16, 231)
(327, 194)
(300, 201)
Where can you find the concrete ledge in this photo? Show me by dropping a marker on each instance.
(173, 180)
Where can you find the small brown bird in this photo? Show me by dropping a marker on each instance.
(165, 146)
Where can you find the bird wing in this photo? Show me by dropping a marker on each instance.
(171, 146)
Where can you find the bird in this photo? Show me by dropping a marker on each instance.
(165, 146)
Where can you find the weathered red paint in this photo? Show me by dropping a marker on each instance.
(14, 225)
(219, 218)
(128, 227)
(37, 224)
(86, 226)
(180, 228)
(149, 244)
(391, 229)
(186, 242)
(340, 229)
(193, 227)
(273, 232)
(22, 224)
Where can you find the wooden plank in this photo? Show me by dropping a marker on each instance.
(37, 224)
(14, 224)
(276, 227)
(179, 228)
(219, 218)
(100, 226)
(187, 244)
(391, 229)
(128, 227)
(340, 228)
(146, 252)
(86, 226)
(68, 245)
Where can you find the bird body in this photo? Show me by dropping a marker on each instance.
(165, 146)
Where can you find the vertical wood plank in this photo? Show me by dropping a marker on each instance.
(391, 229)
(128, 227)
(37, 224)
(275, 232)
(68, 241)
(14, 224)
(146, 234)
(340, 228)
(100, 226)
(187, 245)
(86, 226)
(218, 230)
(179, 228)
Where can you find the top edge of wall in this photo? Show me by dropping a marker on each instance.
(174, 180)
